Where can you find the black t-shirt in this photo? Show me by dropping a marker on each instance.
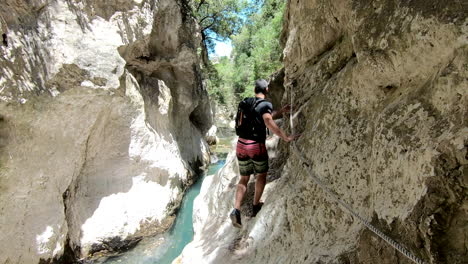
(260, 109)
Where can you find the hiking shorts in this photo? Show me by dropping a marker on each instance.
(252, 157)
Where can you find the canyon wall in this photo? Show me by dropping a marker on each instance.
(380, 95)
(95, 154)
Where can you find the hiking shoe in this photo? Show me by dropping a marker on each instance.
(236, 218)
(256, 208)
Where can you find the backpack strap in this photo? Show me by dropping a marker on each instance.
(257, 102)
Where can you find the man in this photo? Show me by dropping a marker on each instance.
(252, 154)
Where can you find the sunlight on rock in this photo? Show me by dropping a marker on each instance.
(110, 112)
(42, 240)
(122, 213)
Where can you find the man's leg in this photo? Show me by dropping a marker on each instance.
(259, 186)
(246, 168)
(240, 192)
(241, 189)
(261, 166)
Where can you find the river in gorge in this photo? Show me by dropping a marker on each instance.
(163, 249)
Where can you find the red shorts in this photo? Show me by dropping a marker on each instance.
(252, 157)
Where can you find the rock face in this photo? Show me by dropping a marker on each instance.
(94, 155)
(170, 55)
(382, 99)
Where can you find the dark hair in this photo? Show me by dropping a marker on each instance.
(260, 86)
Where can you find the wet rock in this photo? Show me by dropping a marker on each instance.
(114, 244)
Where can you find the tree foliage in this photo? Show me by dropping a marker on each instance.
(219, 19)
(254, 26)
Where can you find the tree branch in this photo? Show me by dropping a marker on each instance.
(201, 3)
(203, 19)
(217, 39)
(210, 25)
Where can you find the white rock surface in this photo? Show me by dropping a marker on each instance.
(83, 160)
(211, 137)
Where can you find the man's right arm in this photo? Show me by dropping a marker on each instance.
(270, 123)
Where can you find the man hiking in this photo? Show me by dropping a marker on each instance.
(253, 117)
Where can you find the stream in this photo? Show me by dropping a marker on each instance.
(163, 249)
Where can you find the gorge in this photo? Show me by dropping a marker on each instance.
(96, 152)
(104, 115)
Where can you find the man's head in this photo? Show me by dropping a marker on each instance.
(261, 86)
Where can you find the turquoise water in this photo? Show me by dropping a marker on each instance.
(165, 248)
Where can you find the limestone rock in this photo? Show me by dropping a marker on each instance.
(224, 121)
(170, 55)
(92, 157)
(211, 137)
(276, 89)
(380, 90)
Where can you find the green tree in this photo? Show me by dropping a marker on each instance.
(254, 27)
(257, 52)
(219, 20)
(220, 87)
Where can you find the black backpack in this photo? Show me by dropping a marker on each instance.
(247, 123)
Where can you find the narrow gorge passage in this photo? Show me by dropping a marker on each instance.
(111, 110)
(165, 248)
